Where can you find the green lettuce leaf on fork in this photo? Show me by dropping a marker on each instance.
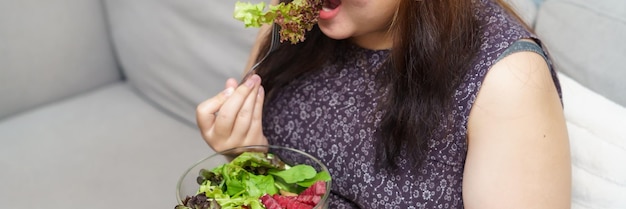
(252, 15)
(294, 18)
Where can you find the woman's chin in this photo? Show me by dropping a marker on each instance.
(337, 33)
(335, 29)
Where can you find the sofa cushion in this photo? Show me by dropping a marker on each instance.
(598, 145)
(526, 9)
(50, 50)
(179, 53)
(585, 39)
(102, 150)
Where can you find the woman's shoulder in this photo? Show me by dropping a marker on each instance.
(499, 28)
(500, 32)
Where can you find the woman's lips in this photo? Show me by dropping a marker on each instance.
(330, 9)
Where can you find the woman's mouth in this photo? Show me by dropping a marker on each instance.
(330, 8)
(331, 4)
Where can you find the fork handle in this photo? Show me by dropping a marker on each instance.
(274, 43)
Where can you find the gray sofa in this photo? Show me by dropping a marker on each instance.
(97, 97)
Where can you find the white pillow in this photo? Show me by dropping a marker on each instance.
(598, 142)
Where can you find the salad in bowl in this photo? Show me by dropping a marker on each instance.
(255, 177)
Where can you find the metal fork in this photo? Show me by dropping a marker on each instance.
(274, 43)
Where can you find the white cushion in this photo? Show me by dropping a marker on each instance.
(178, 53)
(598, 142)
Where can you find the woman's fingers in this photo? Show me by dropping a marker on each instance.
(255, 133)
(244, 116)
(206, 111)
(238, 122)
(231, 108)
(231, 82)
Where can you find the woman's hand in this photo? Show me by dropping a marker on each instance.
(233, 117)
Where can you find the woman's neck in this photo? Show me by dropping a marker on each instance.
(374, 41)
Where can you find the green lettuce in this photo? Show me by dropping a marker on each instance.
(251, 175)
(294, 19)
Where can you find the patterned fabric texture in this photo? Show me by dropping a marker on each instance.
(332, 114)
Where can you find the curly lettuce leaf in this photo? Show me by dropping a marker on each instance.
(253, 15)
(294, 19)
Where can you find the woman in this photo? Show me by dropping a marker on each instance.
(411, 104)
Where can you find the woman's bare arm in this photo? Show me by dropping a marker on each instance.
(518, 148)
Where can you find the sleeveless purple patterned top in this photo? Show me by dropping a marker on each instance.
(332, 114)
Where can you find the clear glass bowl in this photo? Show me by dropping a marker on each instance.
(188, 186)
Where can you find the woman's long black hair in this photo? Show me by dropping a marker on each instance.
(434, 43)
